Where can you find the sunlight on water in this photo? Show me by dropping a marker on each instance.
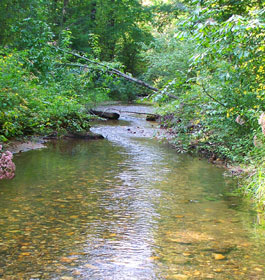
(127, 207)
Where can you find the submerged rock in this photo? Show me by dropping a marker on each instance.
(218, 256)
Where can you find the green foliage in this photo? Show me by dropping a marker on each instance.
(229, 63)
(254, 182)
(45, 100)
(113, 30)
(40, 91)
(34, 36)
(120, 89)
(110, 29)
(165, 13)
(167, 59)
(221, 90)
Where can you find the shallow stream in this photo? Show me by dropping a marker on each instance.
(124, 208)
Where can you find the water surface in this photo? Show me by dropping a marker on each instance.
(127, 207)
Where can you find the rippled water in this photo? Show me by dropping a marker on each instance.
(127, 207)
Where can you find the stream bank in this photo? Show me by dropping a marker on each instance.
(191, 138)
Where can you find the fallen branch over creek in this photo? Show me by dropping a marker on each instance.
(115, 72)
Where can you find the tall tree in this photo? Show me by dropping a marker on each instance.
(119, 27)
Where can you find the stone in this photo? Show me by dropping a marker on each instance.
(88, 135)
(219, 256)
(152, 118)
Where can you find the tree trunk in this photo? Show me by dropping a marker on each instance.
(106, 115)
(63, 18)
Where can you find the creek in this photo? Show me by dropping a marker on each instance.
(126, 207)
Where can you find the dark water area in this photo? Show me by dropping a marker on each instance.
(127, 207)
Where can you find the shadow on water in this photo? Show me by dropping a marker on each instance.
(127, 207)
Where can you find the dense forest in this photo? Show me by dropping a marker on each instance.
(206, 57)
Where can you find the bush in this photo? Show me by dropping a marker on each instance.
(220, 92)
(30, 105)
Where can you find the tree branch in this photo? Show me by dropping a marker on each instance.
(117, 72)
(205, 91)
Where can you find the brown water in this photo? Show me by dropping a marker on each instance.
(124, 208)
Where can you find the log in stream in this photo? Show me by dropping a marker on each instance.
(115, 116)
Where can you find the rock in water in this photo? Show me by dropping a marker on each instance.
(88, 135)
(219, 256)
(152, 118)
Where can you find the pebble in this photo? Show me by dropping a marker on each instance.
(179, 276)
(90, 266)
(258, 269)
(67, 278)
(67, 260)
(77, 273)
(218, 270)
(35, 276)
(219, 257)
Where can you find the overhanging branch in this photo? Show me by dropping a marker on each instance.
(116, 72)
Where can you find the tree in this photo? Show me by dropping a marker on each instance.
(119, 26)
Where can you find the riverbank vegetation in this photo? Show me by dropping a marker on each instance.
(212, 59)
(207, 57)
(45, 88)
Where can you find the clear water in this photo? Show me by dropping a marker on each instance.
(127, 207)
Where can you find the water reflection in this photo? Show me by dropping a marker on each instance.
(123, 208)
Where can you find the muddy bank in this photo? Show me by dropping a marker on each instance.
(38, 142)
(25, 145)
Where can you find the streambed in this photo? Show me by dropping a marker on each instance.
(127, 207)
